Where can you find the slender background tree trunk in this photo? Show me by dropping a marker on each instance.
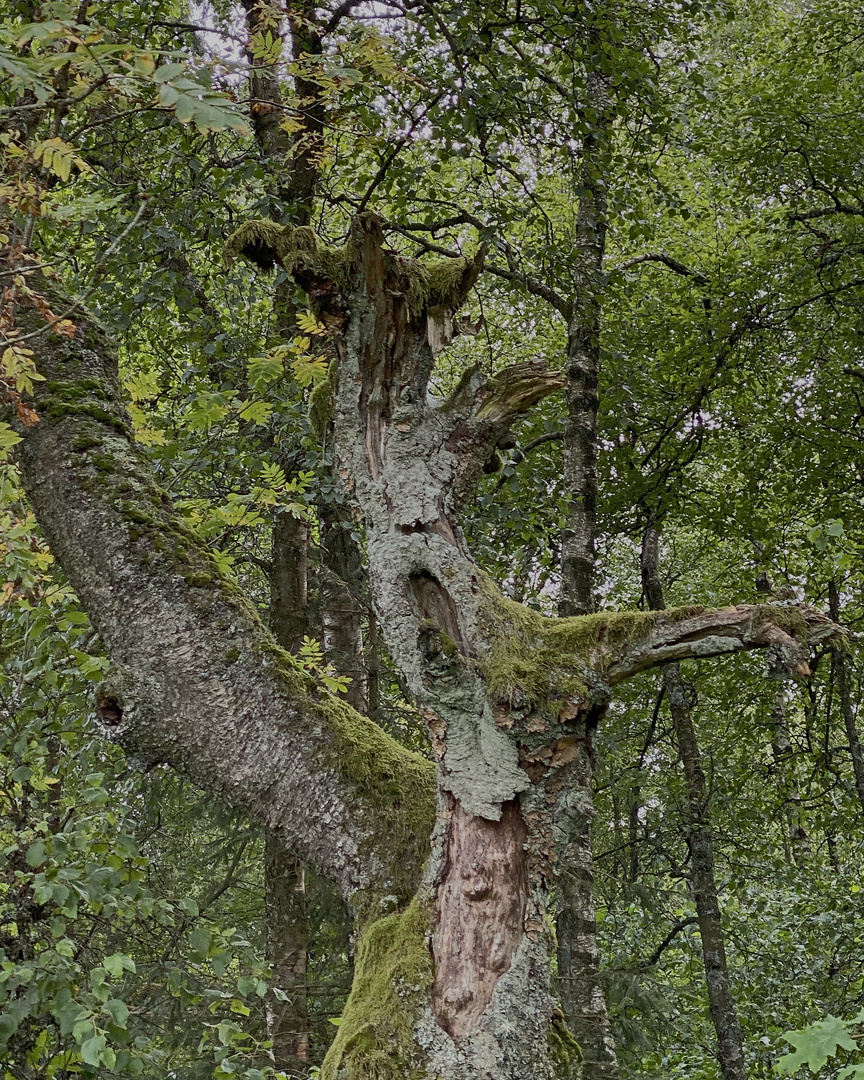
(287, 943)
(578, 956)
(730, 1047)
(844, 690)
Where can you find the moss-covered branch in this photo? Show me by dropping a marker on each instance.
(682, 635)
(535, 658)
(199, 682)
(321, 269)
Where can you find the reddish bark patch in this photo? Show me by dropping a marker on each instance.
(480, 909)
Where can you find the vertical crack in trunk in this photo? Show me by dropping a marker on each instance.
(479, 914)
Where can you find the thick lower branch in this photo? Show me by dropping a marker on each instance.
(200, 682)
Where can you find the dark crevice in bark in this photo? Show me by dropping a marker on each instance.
(700, 838)
(435, 604)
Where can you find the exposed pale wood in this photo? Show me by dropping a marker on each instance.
(479, 910)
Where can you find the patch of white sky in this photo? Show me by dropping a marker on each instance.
(220, 38)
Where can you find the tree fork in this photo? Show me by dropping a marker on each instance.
(508, 757)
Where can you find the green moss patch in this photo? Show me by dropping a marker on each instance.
(401, 784)
(426, 285)
(785, 618)
(393, 976)
(564, 1051)
(398, 784)
(536, 658)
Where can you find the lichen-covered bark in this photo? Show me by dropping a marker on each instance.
(457, 984)
(198, 681)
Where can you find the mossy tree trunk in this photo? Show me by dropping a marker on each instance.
(510, 699)
(453, 968)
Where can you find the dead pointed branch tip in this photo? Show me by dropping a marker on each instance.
(515, 389)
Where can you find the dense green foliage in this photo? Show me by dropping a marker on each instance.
(131, 909)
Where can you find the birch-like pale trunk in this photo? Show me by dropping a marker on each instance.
(844, 690)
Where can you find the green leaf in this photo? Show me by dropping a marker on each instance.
(8, 1027)
(204, 109)
(117, 964)
(118, 1011)
(91, 1049)
(256, 412)
(8, 439)
(815, 1044)
(199, 940)
(35, 854)
(262, 370)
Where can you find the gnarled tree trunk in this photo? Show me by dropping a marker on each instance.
(453, 975)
